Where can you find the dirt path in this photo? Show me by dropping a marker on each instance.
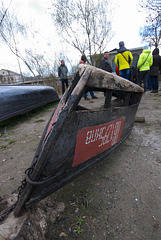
(119, 198)
(18, 144)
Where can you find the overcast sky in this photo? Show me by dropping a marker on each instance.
(126, 23)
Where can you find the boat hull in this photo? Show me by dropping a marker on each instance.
(76, 138)
(61, 156)
(15, 100)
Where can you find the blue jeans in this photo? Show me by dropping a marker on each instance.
(154, 80)
(125, 73)
(149, 82)
(91, 93)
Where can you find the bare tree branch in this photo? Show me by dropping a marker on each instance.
(84, 24)
(5, 12)
(151, 33)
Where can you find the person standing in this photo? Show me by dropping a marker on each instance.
(144, 63)
(105, 63)
(83, 61)
(62, 73)
(155, 69)
(123, 60)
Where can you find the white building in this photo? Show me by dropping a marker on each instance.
(7, 76)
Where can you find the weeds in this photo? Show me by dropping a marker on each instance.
(85, 202)
(78, 229)
(79, 220)
(40, 120)
(5, 140)
(11, 141)
(2, 147)
(147, 124)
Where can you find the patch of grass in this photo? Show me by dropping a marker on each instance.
(51, 105)
(40, 120)
(5, 140)
(78, 229)
(147, 124)
(157, 97)
(85, 201)
(11, 141)
(2, 147)
(11, 122)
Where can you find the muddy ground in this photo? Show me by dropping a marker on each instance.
(118, 198)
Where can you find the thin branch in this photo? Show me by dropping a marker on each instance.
(5, 13)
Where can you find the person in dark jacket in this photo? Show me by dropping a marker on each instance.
(105, 63)
(62, 73)
(155, 69)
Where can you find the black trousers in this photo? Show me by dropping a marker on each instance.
(64, 82)
(142, 77)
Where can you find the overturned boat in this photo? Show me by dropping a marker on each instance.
(76, 137)
(19, 99)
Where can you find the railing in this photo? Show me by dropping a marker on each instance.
(49, 81)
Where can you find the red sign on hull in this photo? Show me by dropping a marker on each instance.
(94, 140)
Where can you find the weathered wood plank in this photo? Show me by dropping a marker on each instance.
(108, 96)
(102, 79)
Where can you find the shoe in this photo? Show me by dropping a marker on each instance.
(87, 98)
(95, 97)
(154, 91)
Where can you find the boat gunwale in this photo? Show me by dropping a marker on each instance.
(102, 79)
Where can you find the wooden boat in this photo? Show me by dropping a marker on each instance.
(16, 99)
(75, 137)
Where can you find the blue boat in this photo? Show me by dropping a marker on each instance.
(15, 100)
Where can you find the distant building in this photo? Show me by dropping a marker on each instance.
(8, 77)
(135, 52)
